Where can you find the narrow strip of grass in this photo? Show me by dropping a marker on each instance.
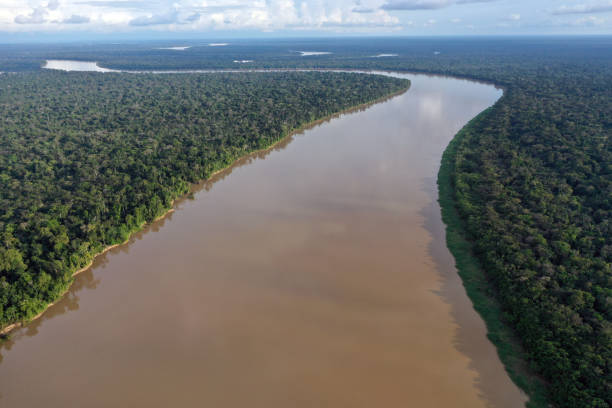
(479, 289)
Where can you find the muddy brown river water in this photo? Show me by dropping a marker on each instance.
(312, 275)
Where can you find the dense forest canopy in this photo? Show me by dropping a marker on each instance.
(533, 180)
(532, 176)
(86, 159)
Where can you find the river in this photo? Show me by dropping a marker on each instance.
(312, 275)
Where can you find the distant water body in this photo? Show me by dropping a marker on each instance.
(312, 53)
(183, 48)
(70, 65)
(315, 274)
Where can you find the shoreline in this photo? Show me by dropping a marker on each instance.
(478, 288)
(5, 331)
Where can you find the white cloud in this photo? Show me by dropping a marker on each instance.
(36, 16)
(265, 15)
(363, 10)
(510, 21)
(301, 15)
(53, 4)
(584, 8)
(426, 4)
(589, 21)
(76, 19)
(129, 4)
(114, 18)
(192, 18)
(42, 14)
(155, 19)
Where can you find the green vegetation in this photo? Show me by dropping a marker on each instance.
(87, 159)
(531, 183)
(531, 179)
(478, 288)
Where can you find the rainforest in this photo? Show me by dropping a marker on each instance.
(525, 187)
(88, 159)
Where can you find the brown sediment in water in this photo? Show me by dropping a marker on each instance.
(312, 274)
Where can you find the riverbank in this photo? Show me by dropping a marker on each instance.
(480, 291)
(6, 330)
(217, 168)
(301, 129)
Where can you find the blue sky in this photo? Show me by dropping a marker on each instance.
(217, 18)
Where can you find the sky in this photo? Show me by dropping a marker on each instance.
(235, 18)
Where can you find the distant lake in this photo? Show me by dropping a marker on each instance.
(175, 48)
(311, 53)
(70, 65)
